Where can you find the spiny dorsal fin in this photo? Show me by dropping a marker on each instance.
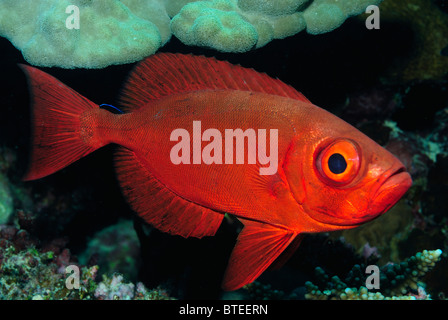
(164, 74)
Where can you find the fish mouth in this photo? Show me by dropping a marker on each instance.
(394, 185)
(389, 188)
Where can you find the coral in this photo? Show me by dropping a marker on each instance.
(33, 274)
(114, 288)
(114, 249)
(429, 27)
(109, 33)
(397, 281)
(7, 160)
(19, 239)
(31, 271)
(6, 203)
(259, 291)
(323, 15)
(241, 25)
(431, 144)
(28, 272)
(117, 32)
(153, 11)
(215, 25)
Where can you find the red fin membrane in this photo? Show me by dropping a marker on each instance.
(56, 139)
(164, 74)
(159, 206)
(257, 247)
(288, 253)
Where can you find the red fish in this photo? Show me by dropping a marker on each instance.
(329, 176)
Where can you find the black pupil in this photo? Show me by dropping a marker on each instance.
(337, 163)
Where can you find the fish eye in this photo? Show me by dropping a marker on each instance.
(338, 163)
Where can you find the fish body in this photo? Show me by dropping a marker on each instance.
(323, 174)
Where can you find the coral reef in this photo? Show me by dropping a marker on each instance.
(28, 272)
(114, 288)
(239, 26)
(109, 33)
(98, 33)
(259, 291)
(214, 24)
(324, 16)
(6, 207)
(397, 281)
(115, 248)
(33, 258)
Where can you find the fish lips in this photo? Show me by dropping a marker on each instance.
(391, 190)
(392, 186)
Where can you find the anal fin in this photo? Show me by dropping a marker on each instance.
(288, 253)
(158, 205)
(258, 246)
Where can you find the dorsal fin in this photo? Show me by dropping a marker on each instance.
(164, 74)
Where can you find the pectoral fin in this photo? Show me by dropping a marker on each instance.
(257, 247)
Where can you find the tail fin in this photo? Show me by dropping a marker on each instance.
(56, 133)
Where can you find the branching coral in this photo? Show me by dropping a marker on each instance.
(397, 281)
(259, 291)
(116, 32)
(32, 274)
(115, 288)
(28, 272)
